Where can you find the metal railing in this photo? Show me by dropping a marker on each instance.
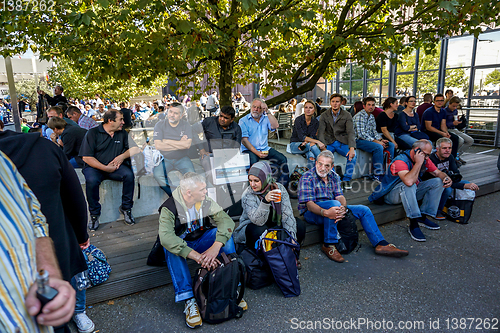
(483, 125)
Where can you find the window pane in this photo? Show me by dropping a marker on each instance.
(357, 72)
(385, 69)
(357, 91)
(406, 63)
(345, 90)
(427, 83)
(431, 60)
(373, 74)
(485, 119)
(345, 73)
(459, 52)
(404, 85)
(373, 88)
(488, 49)
(458, 80)
(487, 82)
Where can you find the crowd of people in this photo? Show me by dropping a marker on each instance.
(93, 135)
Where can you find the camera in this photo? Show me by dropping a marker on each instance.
(455, 177)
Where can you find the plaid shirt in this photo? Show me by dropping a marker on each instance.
(313, 188)
(87, 123)
(365, 127)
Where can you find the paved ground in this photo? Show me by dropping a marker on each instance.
(455, 274)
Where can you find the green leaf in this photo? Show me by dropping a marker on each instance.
(184, 26)
(104, 3)
(86, 19)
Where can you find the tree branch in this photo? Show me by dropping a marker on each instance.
(195, 69)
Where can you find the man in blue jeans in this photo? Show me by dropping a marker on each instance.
(403, 184)
(369, 140)
(186, 232)
(254, 141)
(337, 133)
(443, 160)
(173, 137)
(321, 201)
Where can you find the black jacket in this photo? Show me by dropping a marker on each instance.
(55, 183)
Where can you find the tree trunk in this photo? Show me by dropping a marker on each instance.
(226, 77)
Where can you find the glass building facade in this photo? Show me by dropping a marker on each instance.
(468, 66)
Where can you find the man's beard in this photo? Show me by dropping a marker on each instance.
(321, 175)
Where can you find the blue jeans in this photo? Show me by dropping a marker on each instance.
(161, 171)
(430, 191)
(343, 149)
(377, 151)
(179, 271)
(94, 178)
(446, 194)
(361, 212)
(80, 297)
(310, 152)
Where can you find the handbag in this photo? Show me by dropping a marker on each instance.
(98, 265)
(463, 123)
(348, 232)
(157, 255)
(281, 256)
(458, 207)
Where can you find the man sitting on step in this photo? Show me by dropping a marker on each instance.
(186, 232)
(322, 202)
(403, 185)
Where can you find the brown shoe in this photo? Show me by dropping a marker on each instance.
(391, 251)
(332, 253)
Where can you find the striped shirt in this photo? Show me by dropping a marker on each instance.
(21, 223)
(86, 122)
(365, 126)
(313, 188)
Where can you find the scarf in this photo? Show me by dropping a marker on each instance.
(262, 170)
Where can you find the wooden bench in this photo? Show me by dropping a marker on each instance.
(127, 247)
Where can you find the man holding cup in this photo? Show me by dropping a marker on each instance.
(254, 128)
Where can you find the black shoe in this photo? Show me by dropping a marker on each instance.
(347, 185)
(94, 222)
(127, 216)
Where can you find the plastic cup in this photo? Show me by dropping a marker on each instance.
(278, 195)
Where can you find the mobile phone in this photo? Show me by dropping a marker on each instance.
(418, 150)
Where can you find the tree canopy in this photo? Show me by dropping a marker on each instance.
(284, 45)
(493, 78)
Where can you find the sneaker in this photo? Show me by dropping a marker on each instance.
(417, 234)
(94, 222)
(127, 216)
(83, 323)
(376, 178)
(439, 216)
(193, 318)
(462, 161)
(243, 304)
(347, 185)
(429, 224)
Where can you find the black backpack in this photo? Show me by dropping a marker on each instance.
(218, 292)
(348, 232)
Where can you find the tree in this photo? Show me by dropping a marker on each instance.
(493, 78)
(293, 42)
(77, 85)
